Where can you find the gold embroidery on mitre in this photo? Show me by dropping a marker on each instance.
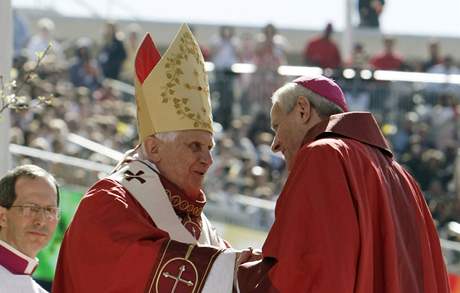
(176, 92)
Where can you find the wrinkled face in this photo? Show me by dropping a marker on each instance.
(289, 133)
(29, 234)
(186, 160)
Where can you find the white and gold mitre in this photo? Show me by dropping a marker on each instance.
(172, 91)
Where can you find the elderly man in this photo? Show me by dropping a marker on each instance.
(29, 198)
(142, 228)
(349, 218)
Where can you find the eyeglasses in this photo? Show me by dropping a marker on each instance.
(51, 213)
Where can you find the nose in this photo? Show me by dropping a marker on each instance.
(276, 144)
(206, 158)
(40, 218)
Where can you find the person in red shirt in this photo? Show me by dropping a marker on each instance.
(349, 217)
(388, 59)
(322, 51)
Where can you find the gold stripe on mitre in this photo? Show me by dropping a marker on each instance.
(175, 94)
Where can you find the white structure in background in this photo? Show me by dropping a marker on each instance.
(347, 35)
(6, 56)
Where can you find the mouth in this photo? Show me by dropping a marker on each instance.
(200, 173)
(37, 233)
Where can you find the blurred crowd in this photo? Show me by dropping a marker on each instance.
(420, 120)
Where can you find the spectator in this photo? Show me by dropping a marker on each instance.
(247, 51)
(444, 122)
(224, 53)
(40, 41)
(358, 100)
(432, 160)
(21, 33)
(113, 52)
(369, 13)
(388, 59)
(447, 66)
(359, 57)
(401, 139)
(434, 56)
(322, 51)
(131, 44)
(84, 70)
(268, 57)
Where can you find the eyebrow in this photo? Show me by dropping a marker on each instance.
(211, 145)
(36, 204)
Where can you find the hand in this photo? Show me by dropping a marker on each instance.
(248, 255)
(245, 257)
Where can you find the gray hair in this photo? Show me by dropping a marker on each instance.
(8, 182)
(163, 136)
(287, 96)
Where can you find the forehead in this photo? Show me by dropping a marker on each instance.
(201, 136)
(35, 190)
(276, 114)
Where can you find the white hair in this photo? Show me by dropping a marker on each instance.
(287, 96)
(163, 136)
(167, 136)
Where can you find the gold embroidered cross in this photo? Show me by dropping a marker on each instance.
(178, 278)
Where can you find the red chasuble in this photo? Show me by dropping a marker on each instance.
(349, 219)
(112, 245)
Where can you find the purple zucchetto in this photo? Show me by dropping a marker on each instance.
(324, 87)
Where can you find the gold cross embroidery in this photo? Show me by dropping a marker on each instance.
(178, 278)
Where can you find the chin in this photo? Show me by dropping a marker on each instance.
(39, 241)
(32, 252)
(193, 191)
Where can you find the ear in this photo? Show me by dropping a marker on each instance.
(303, 108)
(3, 212)
(152, 147)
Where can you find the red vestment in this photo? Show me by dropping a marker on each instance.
(113, 245)
(349, 219)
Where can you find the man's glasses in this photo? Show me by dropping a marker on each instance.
(31, 210)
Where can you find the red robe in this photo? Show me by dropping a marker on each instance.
(112, 245)
(349, 219)
(323, 52)
(386, 61)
